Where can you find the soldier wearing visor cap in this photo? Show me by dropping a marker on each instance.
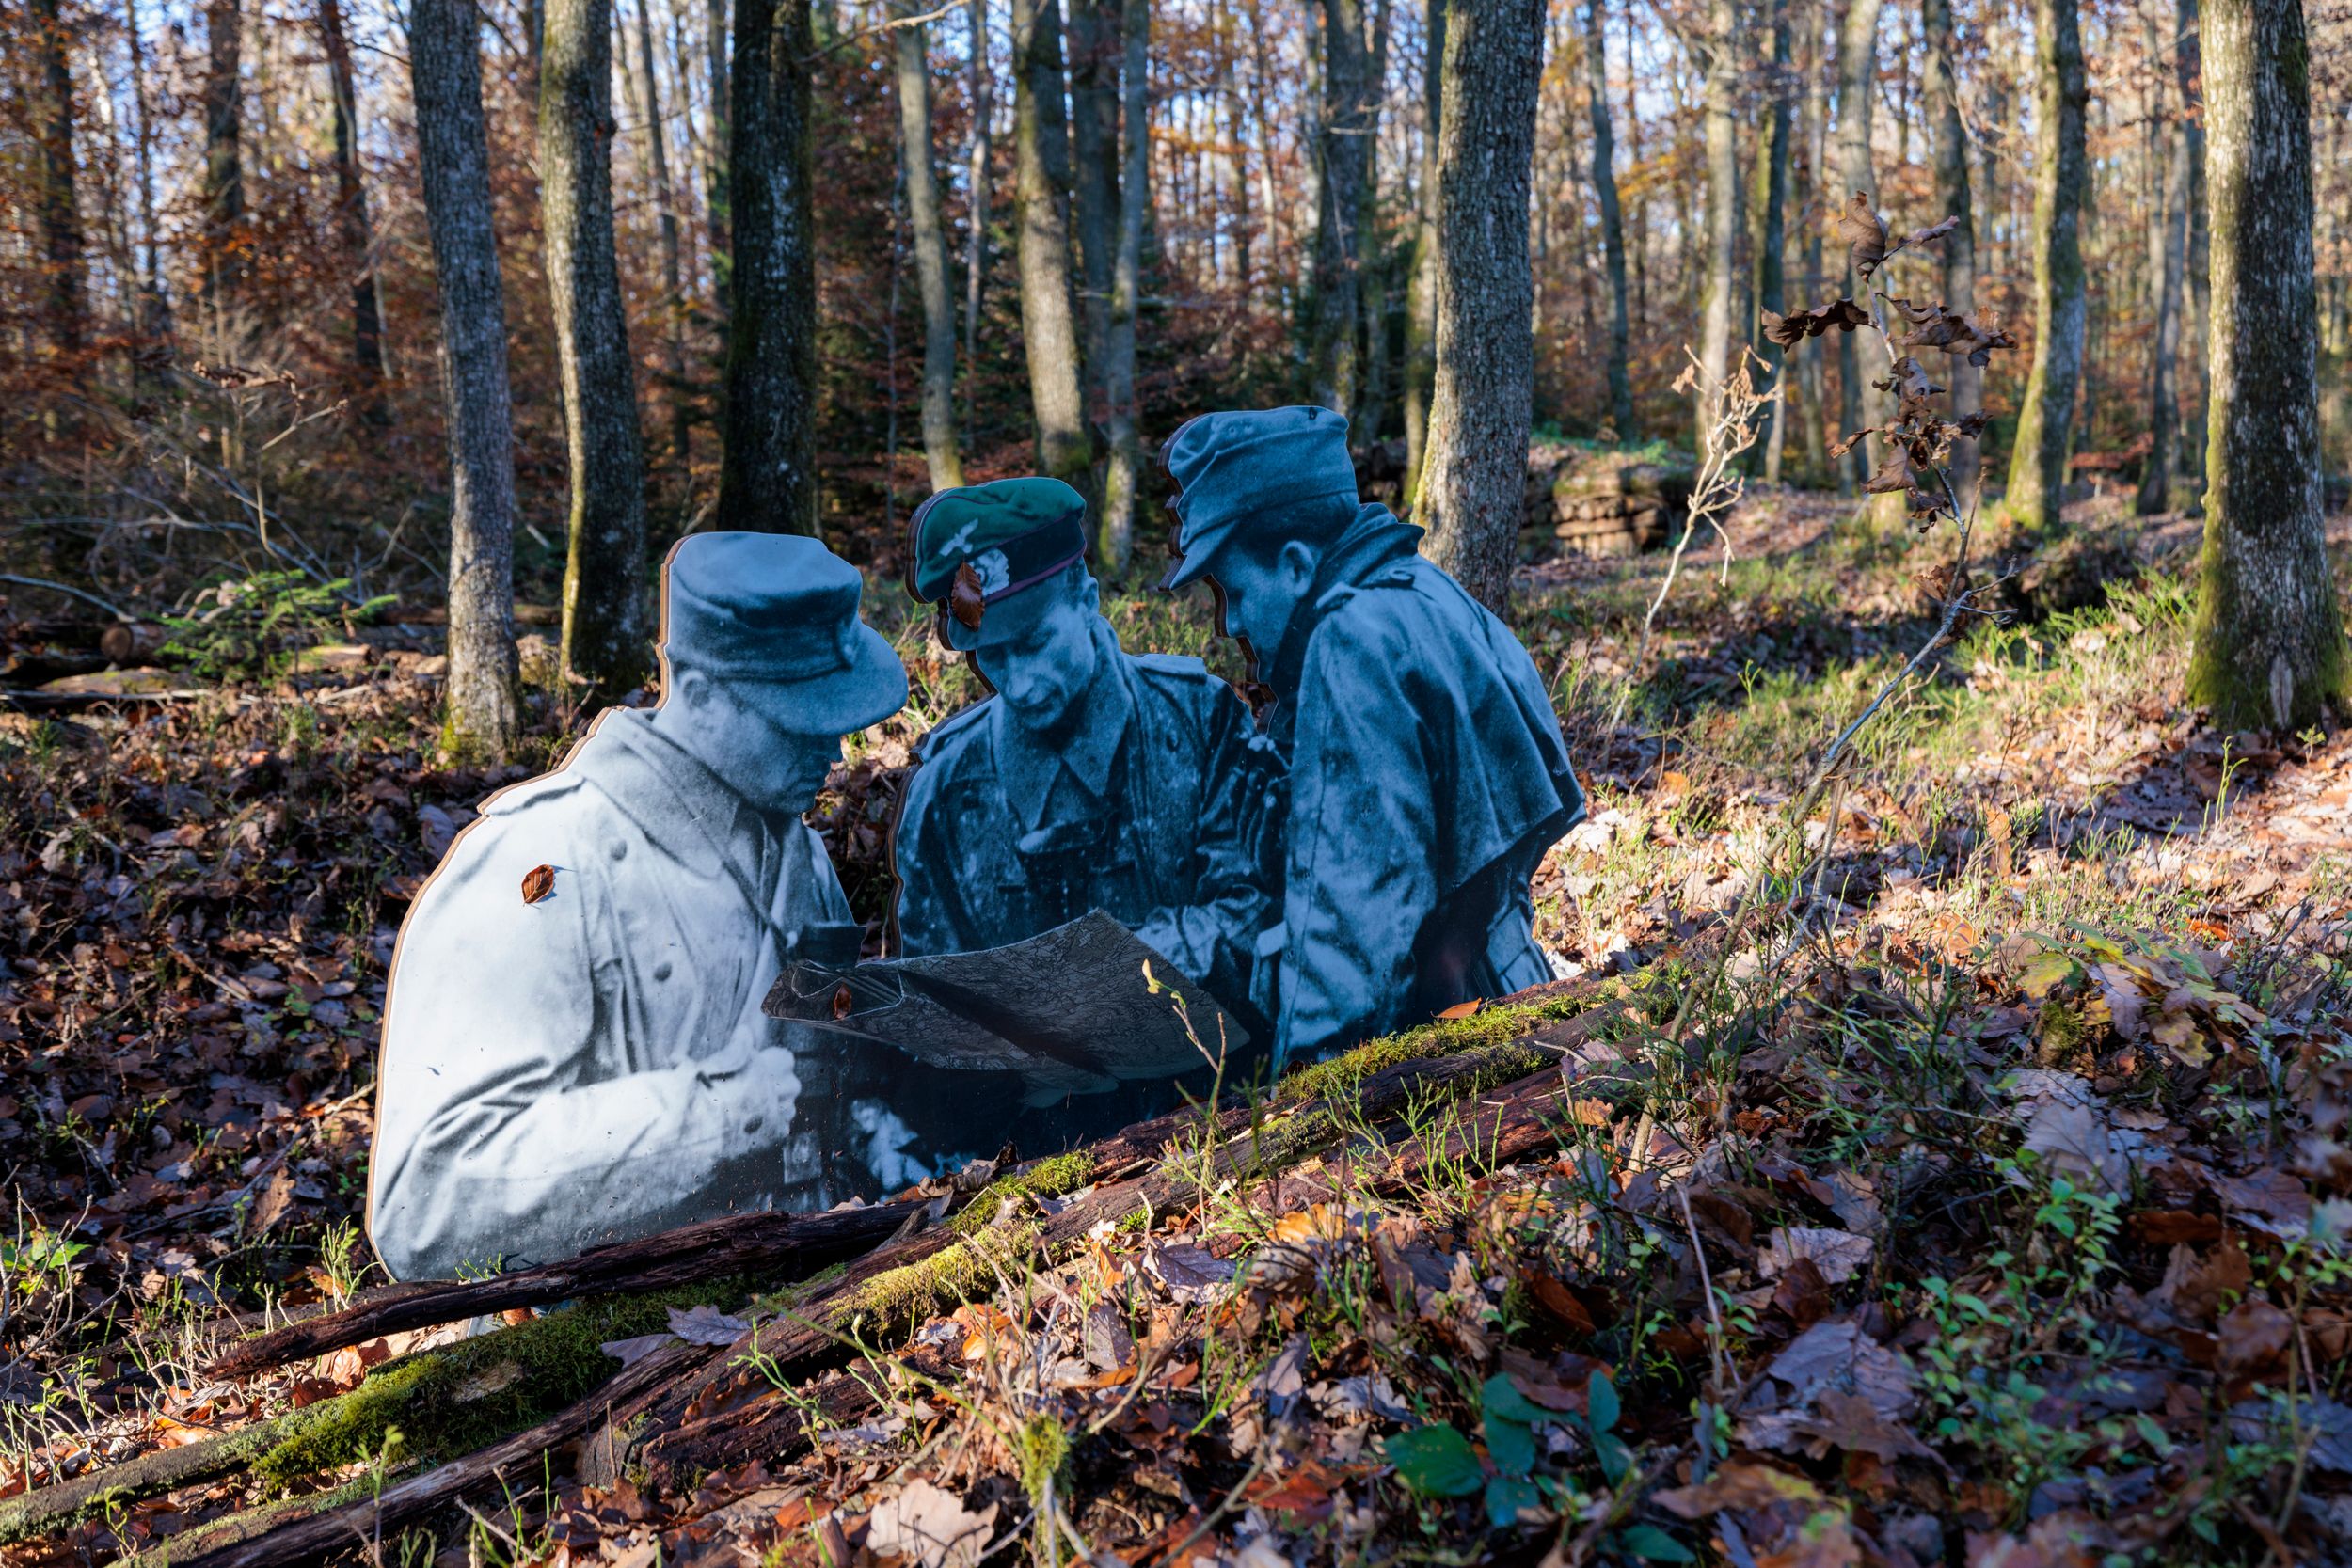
(1092, 778)
(592, 1064)
(1426, 770)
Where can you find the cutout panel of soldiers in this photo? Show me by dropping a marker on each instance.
(597, 1063)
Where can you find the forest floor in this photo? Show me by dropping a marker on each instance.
(1964, 1176)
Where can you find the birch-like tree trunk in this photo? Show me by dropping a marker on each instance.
(2269, 647)
(1604, 168)
(351, 207)
(2046, 417)
(1940, 93)
(453, 164)
(1474, 480)
(929, 230)
(1420, 289)
(1720, 54)
(60, 208)
(768, 476)
(1857, 85)
(223, 186)
(1041, 156)
(2168, 254)
(1115, 543)
(1345, 137)
(605, 642)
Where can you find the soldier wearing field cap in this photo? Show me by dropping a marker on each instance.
(574, 1051)
(1093, 778)
(1427, 772)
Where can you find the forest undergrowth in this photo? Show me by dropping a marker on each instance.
(1960, 1175)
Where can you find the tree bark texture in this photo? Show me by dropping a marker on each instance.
(154, 305)
(1115, 543)
(1604, 165)
(1344, 142)
(60, 211)
(981, 178)
(2168, 256)
(1772, 242)
(2046, 417)
(2269, 648)
(2189, 73)
(351, 204)
(672, 270)
(1473, 484)
(1813, 126)
(1094, 48)
(718, 184)
(1420, 289)
(1048, 330)
(453, 163)
(1722, 238)
(605, 640)
(223, 192)
(768, 477)
(1858, 85)
(1940, 93)
(940, 456)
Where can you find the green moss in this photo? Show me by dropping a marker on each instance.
(1048, 1178)
(1487, 1027)
(459, 1398)
(902, 1298)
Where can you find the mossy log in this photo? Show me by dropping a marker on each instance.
(765, 1244)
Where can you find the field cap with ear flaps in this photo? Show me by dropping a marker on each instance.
(773, 618)
(1231, 465)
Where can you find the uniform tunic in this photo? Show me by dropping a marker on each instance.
(1428, 776)
(1153, 811)
(554, 1074)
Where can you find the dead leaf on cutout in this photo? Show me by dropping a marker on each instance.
(538, 882)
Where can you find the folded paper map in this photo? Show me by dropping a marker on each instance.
(1070, 1010)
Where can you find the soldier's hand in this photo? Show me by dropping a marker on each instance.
(759, 1098)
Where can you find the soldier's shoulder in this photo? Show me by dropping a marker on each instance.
(1177, 673)
(958, 736)
(959, 750)
(1383, 615)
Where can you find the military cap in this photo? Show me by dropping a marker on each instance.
(1014, 533)
(1230, 466)
(774, 616)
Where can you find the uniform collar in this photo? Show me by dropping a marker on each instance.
(1027, 768)
(659, 782)
(1375, 541)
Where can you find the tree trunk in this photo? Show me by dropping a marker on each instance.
(351, 208)
(1717, 329)
(768, 476)
(2196, 411)
(223, 193)
(1812, 373)
(1421, 290)
(2269, 647)
(1116, 542)
(60, 211)
(605, 640)
(1094, 43)
(1611, 226)
(930, 257)
(154, 320)
(1473, 485)
(2168, 222)
(1371, 390)
(673, 272)
(2037, 466)
(1345, 137)
(981, 178)
(453, 163)
(717, 183)
(1048, 332)
(1940, 92)
(1857, 85)
(1771, 238)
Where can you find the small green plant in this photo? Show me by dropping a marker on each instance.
(252, 625)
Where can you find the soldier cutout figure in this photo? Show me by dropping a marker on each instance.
(594, 1065)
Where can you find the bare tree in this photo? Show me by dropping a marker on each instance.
(1420, 289)
(1772, 237)
(1940, 91)
(351, 206)
(224, 160)
(1042, 157)
(931, 254)
(1344, 153)
(975, 243)
(60, 211)
(154, 305)
(1857, 81)
(1117, 538)
(2046, 417)
(1719, 54)
(2168, 260)
(717, 183)
(673, 272)
(1094, 53)
(1474, 480)
(1612, 224)
(453, 163)
(2269, 645)
(768, 476)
